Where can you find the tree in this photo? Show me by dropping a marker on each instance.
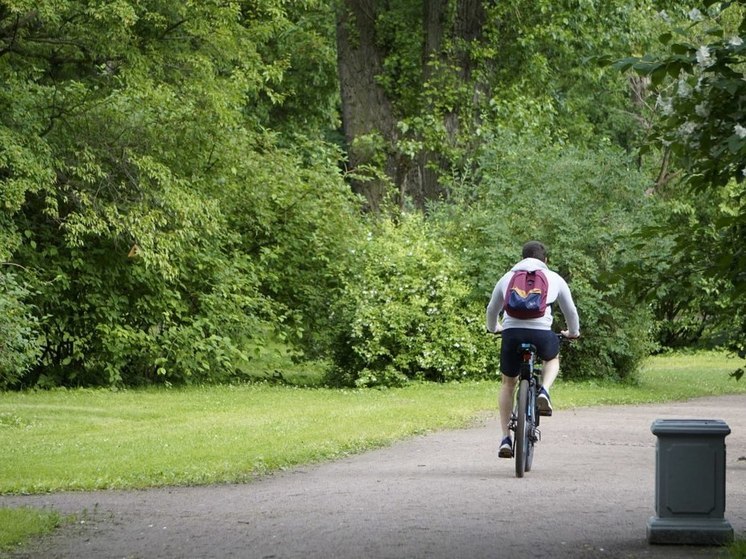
(129, 131)
(385, 50)
(420, 80)
(700, 87)
(367, 117)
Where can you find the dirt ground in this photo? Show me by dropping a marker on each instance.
(443, 495)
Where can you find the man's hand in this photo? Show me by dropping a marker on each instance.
(566, 334)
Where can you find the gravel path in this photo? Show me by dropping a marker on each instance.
(444, 495)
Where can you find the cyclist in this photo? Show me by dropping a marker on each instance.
(537, 331)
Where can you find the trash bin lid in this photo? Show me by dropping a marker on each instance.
(710, 427)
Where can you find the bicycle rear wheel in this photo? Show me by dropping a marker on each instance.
(522, 442)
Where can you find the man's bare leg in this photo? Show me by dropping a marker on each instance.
(549, 372)
(505, 402)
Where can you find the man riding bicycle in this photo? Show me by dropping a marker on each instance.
(529, 320)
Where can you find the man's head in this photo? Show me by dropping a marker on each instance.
(534, 249)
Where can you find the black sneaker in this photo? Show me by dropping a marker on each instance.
(506, 448)
(544, 403)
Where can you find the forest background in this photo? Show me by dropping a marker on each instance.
(214, 191)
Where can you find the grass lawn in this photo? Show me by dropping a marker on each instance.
(95, 439)
(679, 376)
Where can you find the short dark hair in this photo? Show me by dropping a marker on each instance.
(534, 249)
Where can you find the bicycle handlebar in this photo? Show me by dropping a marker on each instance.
(560, 336)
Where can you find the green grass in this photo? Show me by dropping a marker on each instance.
(737, 550)
(17, 525)
(668, 377)
(94, 439)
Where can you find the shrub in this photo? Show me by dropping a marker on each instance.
(584, 205)
(163, 316)
(693, 306)
(297, 220)
(407, 313)
(19, 344)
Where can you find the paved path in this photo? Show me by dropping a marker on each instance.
(444, 495)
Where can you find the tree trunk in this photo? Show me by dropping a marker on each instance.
(423, 183)
(434, 25)
(368, 120)
(367, 117)
(466, 27)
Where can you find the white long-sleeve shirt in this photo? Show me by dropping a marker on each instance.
(558, 292)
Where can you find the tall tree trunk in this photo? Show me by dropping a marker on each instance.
(470, 18)
(424, 184)
(367, 114)
(434, 22)
(366, 110)
(464, 28)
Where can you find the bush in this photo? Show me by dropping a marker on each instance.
(169, 149)
(693, 306)
(407, 313)
(19, 344)
(584, 205)
(297, 219)
(110, 319)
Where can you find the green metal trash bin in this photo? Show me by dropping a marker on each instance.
(690, 483)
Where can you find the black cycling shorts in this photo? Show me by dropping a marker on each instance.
(546, 342)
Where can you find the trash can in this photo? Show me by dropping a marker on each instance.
(690, 483)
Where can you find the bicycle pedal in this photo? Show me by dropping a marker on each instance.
(545, 413)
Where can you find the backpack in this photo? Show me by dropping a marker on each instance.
(526, 296)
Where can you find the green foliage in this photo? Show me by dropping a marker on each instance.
(297, 219)
(698, 80)
(400, 33)
(406, 314)
(530, 71)
(171, 195)
(110, 319)
(125, 127)
(132, 143)
(296, 63)
(583, 204)
(19, 345)
(698, 86)
(539, 69)
(688, 302)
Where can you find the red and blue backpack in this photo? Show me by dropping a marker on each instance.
(526, 296)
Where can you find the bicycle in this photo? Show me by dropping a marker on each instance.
(525, 419)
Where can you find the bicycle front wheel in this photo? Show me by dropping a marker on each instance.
(531, 419)
(522, 441)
